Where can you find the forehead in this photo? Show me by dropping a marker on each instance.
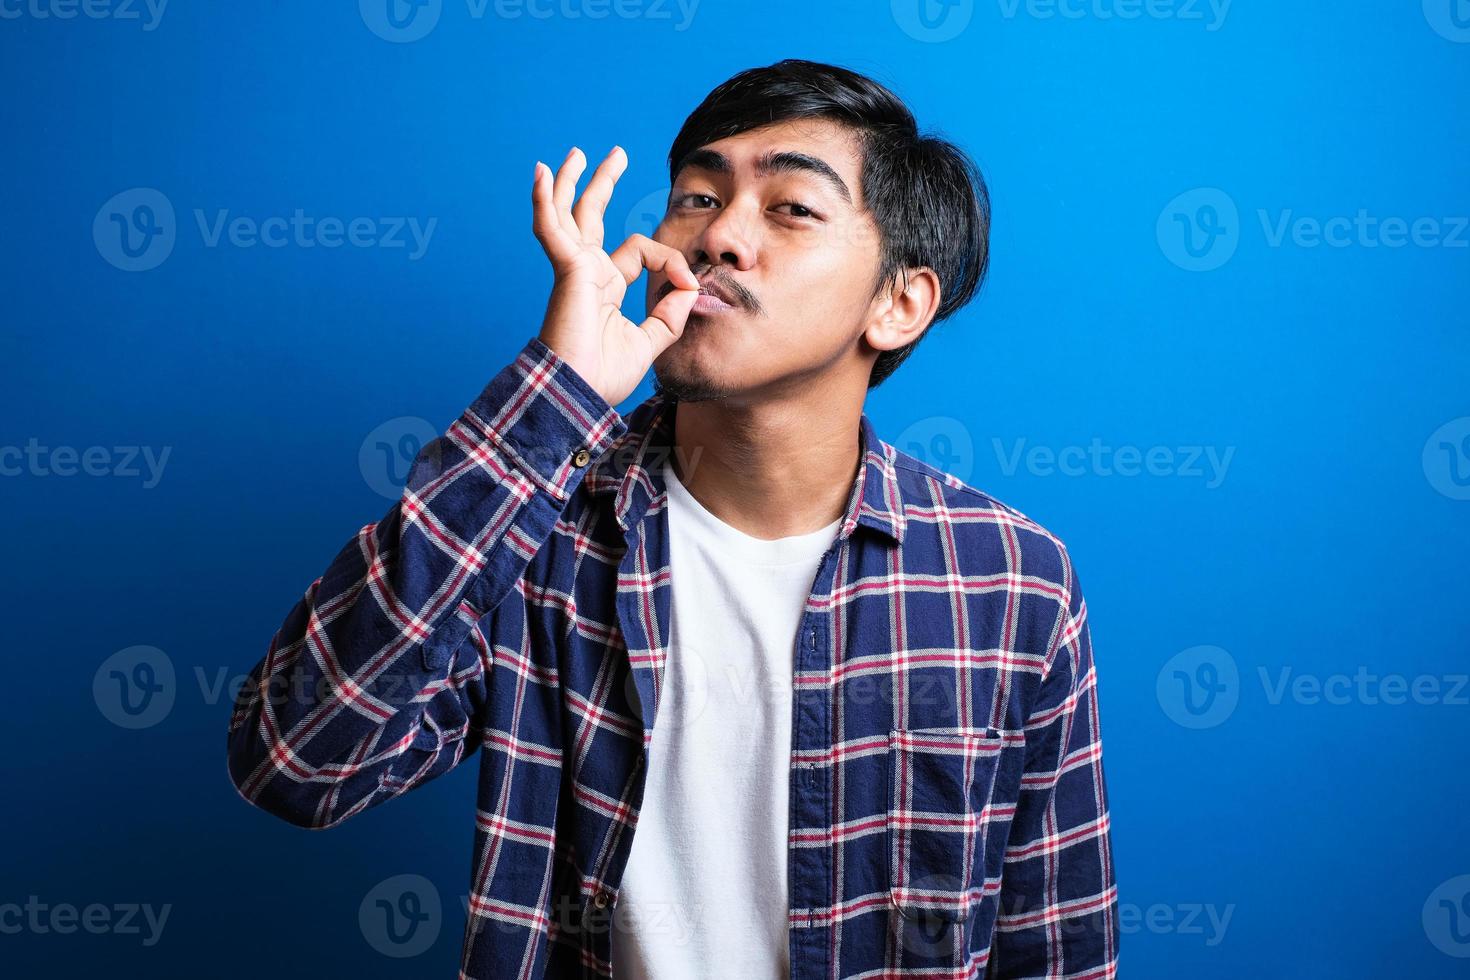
(821, 148)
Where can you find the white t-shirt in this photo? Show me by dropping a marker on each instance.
(704, 893)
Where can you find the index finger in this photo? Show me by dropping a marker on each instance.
(640, 252)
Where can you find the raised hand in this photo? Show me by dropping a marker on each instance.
(584, 322)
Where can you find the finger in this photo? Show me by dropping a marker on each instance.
(593, 203)
(640, 252)
(566, 187)
(559, 246)
(666, 321)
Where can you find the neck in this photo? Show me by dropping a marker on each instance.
(773, 469)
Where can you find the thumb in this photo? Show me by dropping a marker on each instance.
(665, 322)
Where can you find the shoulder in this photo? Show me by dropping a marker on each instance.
(987, 532)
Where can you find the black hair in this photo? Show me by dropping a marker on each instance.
(927, 197)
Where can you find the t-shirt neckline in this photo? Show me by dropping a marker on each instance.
(736, 543)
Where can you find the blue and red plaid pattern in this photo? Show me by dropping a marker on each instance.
(948, 816)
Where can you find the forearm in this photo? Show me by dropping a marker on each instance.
(1058, 915)
(361, 696)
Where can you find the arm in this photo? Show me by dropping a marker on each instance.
(1058, 914)
(361, 696)
(368, 688)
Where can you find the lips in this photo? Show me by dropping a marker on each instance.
(709, 287)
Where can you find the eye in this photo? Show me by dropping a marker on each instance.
(798, 210)
(679, 199)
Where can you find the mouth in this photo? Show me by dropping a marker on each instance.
(709, 302)
(713, 298)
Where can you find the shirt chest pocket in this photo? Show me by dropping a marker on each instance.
(940, 781)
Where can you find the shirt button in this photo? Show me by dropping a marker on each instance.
(600, 900)
(582, 458)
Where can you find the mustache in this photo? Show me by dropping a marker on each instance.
(738, 294)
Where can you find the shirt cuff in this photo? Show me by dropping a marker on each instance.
(542, 416)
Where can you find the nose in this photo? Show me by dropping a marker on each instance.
(727, 239)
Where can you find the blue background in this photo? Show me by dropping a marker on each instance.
(1334, 542)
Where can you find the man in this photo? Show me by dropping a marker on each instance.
(755, 694)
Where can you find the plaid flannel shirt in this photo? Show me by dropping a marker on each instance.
(948, 812)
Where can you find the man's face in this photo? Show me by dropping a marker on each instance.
(775, 218)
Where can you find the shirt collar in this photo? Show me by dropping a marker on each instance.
(630, 471)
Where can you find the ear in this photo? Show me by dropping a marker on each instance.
(903, 312)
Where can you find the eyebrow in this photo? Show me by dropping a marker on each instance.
(770, 162)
